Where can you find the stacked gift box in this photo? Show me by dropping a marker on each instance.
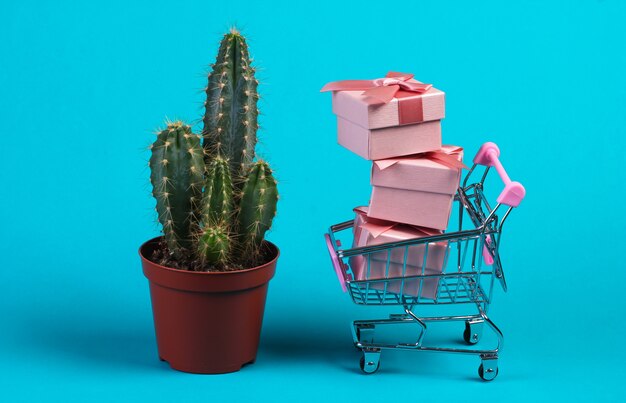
(396, 123)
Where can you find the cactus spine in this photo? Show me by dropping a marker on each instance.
(177, 168)
(230, 119)
(214, 201)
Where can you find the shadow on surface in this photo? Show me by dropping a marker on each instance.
(298, 344)
(99, 341)
(294, 343)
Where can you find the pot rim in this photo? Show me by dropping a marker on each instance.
(171, 269)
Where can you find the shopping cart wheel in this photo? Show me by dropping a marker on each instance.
(473, 331)
(370, 361)
(488, 370)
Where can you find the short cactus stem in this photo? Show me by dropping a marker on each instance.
(177, 167)
(218, 200)
(214, 245)
(257, 207)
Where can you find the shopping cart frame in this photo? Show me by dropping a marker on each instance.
(474, 285)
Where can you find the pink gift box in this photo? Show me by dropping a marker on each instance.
(368, 231)
(408, 123)
(416, 190)
(358, 108)
(389, 141)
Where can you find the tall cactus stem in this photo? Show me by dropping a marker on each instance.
(230, 119)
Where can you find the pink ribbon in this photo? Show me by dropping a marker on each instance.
(381, 90)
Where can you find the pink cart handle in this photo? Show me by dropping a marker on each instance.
(513, 192)
(336, 262)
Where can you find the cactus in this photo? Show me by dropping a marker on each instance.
(214, 201)
(218, 200)
(214, 245)
(230, 118)
(176, 174)
(257, 207)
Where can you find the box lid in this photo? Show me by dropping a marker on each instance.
(427, 172)
(357, 108)
(379, 231)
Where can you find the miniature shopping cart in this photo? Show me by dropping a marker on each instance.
(470, 267)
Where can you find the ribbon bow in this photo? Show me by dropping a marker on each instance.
(381, 90)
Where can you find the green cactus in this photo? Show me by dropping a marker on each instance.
(177, 167)
(257, 207)
(214, 201)
(214, 246)
(230, 118)
(218, 200)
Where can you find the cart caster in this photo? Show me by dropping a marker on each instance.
(370, 361)
(473, 331)
(488, 369)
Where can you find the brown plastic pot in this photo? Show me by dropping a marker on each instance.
(207, 322)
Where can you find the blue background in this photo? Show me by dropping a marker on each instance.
(84, 84)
